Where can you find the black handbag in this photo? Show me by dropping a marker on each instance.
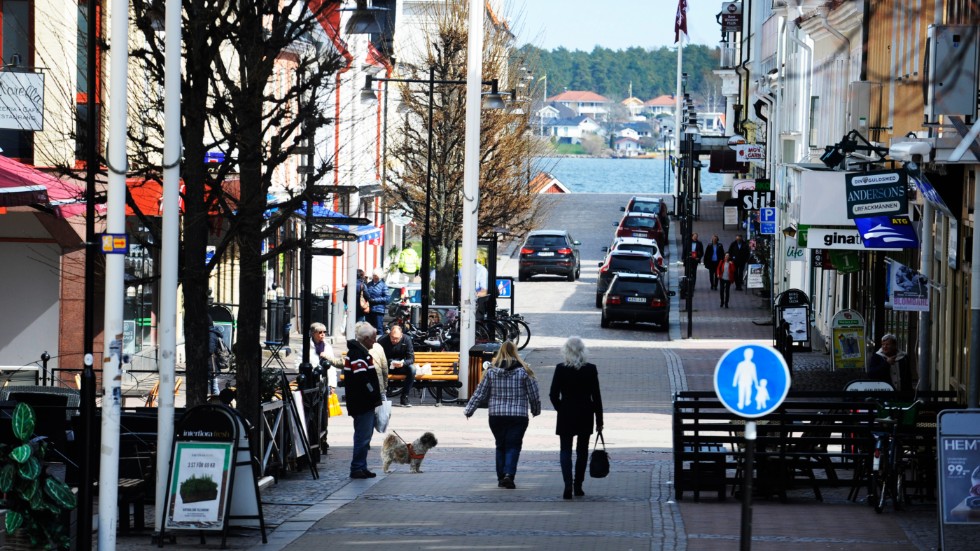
(599, 462)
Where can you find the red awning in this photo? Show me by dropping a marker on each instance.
(148, 196)
(22, 185)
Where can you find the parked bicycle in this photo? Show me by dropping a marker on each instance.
(892, 463)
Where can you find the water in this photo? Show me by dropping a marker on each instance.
(595, 175)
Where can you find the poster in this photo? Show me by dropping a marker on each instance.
(959, 471)
(798, 323)
(199, 485)
(754, 276)
(907, 288)
(847, 340)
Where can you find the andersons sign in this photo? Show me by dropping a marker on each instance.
(21, 101)
(878, 193)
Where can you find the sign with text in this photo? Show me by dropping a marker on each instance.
(767, 221)
(731, 17)
(755, 199)
(839, 239)
(21, 101)
(887, 231)
(876, 193)
(958, 443)
(198, 486)
(847, 329)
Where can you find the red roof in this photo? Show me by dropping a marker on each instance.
(579, 96)
(546, 183)
(661, 101)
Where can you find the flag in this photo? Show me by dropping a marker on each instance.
(887, 232)
(680, 23)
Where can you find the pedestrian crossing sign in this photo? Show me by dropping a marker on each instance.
(752, 380)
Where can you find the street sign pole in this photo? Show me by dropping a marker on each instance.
(745, 541)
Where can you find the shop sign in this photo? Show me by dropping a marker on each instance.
(199, 485)
(731, 17)
(840, 239)
(794, 252)
(877, 193)
(21, 101)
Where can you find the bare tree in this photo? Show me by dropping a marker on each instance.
(231, 52)
(506, 146)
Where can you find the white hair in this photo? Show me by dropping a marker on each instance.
(574, 352)
(378, 272)
(363, 330)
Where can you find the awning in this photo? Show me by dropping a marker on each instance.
(21, 185)
(148, 196)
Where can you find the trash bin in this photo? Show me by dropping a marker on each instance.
(479, 354)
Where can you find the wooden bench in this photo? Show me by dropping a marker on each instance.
(814, 440)
(444, 374)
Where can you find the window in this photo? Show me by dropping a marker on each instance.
(16, 43)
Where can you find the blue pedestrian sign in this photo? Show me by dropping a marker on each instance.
(752, 380)
(767, 221)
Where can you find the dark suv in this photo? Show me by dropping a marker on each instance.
(636, 298)
(549, 252)
(635, 262)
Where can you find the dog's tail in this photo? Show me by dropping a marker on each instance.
(390, 440)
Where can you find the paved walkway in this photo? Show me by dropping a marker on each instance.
(456, 504)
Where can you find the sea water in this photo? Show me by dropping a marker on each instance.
(599, 175)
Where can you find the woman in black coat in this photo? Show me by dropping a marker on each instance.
(576, 397)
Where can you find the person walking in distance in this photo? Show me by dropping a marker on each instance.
(890, 365)
(509, 388)
(575, 396)
(377, 295)
(726, 273)
(363, 394)
(713, 255)
(693, 259)
(739, 252)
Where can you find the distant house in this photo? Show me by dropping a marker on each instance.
(628, 132)
(572, 130)
(661, 105)
(634, 106)
(584, 103)
(544, 182)
(712, 124)
(640, 129)
(627, 147)
(546, 114)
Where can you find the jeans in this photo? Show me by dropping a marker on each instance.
(725, 291)
(508, 433)
(712, 276)
(377, 319)
(363, 430)
(739, 276)
(581, 456)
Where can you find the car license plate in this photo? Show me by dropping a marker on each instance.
(546, 254)
(636, 299)
(639, 234)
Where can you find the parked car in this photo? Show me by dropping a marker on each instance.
(549, 252)
(622, 261)
(636, 298)
(639, 244)
(644, 225)
(653, 205)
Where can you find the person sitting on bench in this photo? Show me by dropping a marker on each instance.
(401, 359)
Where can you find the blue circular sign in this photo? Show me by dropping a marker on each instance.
(752, 380)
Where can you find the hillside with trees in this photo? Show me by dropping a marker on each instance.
(610, 72)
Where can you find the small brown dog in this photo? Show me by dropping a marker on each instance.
(396, 450)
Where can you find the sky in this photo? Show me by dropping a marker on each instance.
(614, 24)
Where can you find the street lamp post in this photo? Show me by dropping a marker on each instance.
(493, 100)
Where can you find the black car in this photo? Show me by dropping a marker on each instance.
(635, 262)
(549, 252)
(636, 298)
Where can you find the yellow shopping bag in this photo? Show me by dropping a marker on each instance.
(334, 404)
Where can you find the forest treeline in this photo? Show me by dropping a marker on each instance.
(609, 72)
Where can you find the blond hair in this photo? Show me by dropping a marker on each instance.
(507, 353)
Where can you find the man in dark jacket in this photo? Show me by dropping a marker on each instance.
(363, 395)
(713, 255)
(401, 359)
(739, 251)
(692, 259)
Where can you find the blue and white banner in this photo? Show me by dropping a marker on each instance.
(908, 290)
(930, 194)
(887, 232)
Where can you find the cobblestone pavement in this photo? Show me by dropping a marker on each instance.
(455, 503)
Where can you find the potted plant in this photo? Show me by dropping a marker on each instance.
(34, 499)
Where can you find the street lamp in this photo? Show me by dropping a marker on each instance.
(690, 136)
(492, 100)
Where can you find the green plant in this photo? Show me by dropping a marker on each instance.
(35, 500)
(196, 489)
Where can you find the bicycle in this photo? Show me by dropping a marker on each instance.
(891, 461)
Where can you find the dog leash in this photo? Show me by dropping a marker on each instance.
(411, 451)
